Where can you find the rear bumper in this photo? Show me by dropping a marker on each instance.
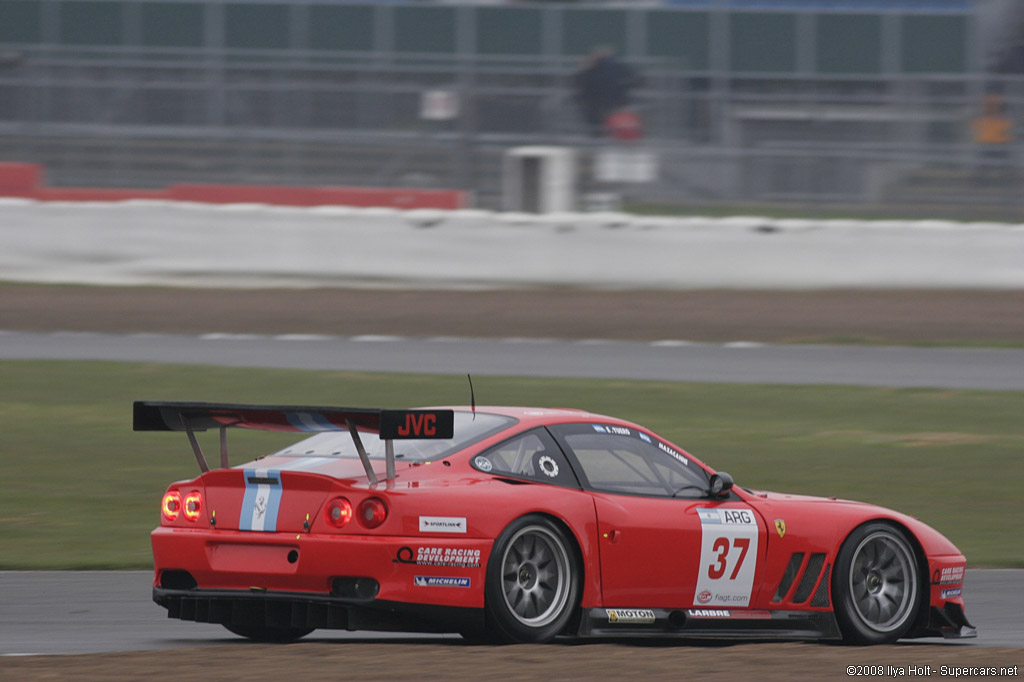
(301, 611)
(257, 567)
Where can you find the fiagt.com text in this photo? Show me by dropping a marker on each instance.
(953, 671)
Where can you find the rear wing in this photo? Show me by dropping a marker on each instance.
(390, 425)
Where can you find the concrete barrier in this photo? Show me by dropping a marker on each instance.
(195, 244)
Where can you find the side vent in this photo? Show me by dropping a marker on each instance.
(789, 576)
(821, 594)
(809, 579)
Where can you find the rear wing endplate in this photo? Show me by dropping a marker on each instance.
(390, 425)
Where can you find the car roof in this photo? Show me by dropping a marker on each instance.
(535, 416)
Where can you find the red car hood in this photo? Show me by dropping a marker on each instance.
(841, 516)
(774, 496)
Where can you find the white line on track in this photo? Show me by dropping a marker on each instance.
(386, 338)
(375, 338)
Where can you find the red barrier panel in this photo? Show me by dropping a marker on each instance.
(98, 194)
(319, 196)
(20, 179)
(26, 180)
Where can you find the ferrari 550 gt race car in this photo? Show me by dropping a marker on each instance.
(522, 524)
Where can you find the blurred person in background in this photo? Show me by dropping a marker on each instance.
(992, 135)
(603, 86)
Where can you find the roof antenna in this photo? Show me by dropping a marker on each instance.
(472, 396)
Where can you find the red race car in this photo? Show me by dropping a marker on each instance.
(521, 524)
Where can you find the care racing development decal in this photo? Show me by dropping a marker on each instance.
(442, 524)
(439, 556)
(951, 575)
(728, 555)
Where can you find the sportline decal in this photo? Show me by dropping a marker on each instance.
(442, 524)
(440, 581)
(728, 554)
(262, 499)
(630, 615)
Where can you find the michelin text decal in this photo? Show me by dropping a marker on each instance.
(440, 581)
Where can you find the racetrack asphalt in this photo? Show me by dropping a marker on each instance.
(973, 368)
(57, 612)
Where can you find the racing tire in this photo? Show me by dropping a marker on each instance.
(533, 581)
(876, 585)
(263, 633)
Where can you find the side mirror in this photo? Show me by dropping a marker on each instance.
(720, 484)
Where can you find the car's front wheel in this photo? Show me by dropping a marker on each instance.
(876, 585)
(533, 581)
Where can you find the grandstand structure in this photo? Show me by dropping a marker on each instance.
(851, 102)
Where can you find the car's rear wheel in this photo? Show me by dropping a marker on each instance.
(262, 633)
(533, 581)
(877, 585)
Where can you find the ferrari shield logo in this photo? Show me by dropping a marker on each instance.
(780, 527)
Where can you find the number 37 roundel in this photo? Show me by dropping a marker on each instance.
(728, 554)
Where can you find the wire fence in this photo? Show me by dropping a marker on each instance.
(125, 114)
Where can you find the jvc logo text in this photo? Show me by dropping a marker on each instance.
(419, 425)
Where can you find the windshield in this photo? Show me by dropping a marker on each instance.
(468, 429)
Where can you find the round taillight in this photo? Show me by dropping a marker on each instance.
(338, 512)
(171, 505)
(193, 505)
(372, 512)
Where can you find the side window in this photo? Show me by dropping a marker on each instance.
(620, 460)
(533, 455)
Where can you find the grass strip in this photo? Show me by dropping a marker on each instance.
(80, 490)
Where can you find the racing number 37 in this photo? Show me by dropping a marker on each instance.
(721, 548)
(726, 575)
